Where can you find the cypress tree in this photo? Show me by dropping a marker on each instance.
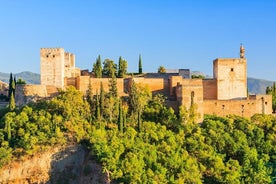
(120, 117)
(140, 65)
(122, 69)
(12, 102)
(139, 121)
(124, 118)
(97, 67)
(98, 109)
(8, 129)
(101, 99)
(14, 79)
(120, 72)
(113, 87)
(89, 94)
(10, 85)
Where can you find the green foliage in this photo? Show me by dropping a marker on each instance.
(140, 69)
(109, 68)
(120, 118)
(161, 69)
(98, 108)
(97, 68)
(11, 85)
(272, 91)
(113, 91)
(194, 76)
(122, 68)
(102, 99)
(20, 81)
(12, 102)
(5, 153)
(163, 149)
(138, 98)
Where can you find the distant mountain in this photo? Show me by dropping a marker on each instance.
(29, 77)
(257, 86)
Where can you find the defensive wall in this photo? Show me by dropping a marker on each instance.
(225, 93)
(257, 104)
(26, 93)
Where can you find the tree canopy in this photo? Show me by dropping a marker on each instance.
(164, 147)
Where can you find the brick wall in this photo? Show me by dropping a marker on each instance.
(209, 89)
(246, 108)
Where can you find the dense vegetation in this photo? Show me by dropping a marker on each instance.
(138, 140)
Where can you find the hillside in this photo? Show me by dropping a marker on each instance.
(257, 86)
(29, 77)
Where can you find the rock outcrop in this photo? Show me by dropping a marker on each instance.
(70, 164)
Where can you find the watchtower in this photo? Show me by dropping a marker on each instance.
(231, 77)
(55, 66)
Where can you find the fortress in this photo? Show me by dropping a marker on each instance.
(225, 93)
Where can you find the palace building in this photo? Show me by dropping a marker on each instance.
(224, 94)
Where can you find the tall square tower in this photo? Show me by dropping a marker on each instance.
(231, 77)
(52, 64)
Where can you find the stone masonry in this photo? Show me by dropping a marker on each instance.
(224, 94)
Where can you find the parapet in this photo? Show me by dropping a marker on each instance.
(51, 49)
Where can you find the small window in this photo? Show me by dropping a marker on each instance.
(47, 55)
(265, 103)
(54, 56)
(232, 69)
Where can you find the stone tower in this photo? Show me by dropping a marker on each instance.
(231, 77)
(55, 66)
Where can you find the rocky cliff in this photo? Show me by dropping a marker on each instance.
(70, 164)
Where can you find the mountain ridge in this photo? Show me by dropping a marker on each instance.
(29, 77)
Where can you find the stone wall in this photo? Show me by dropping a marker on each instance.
(29, 93)
(246, 108)
(209, 89)
(191, 90)
(231, 77)
(83, 83)
(155, 85)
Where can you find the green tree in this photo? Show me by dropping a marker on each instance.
(11, 85)
(122, 68)
(89, 94)
(20, 81)
(272, 91)
(139, 97)
(98, 108)
(102, 99)
(161, 69)
(97, 68)
(140, 69)
(120, 117)
(109, 68)
(12, 102)
(113, 91)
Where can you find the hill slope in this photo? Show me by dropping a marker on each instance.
(29, 77)
(257, 86)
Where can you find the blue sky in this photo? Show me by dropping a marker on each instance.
(173, 33)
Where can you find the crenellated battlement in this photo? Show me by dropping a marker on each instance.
(56, 65)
